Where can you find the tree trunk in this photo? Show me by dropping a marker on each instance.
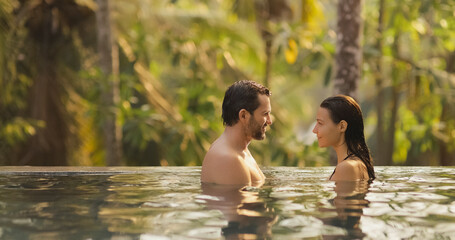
(348, 50)
(447, 157)
(105, 49)
(269, 11)
(390, 142)
(380, 147)
(48, 146)
(348, 56)
(274, 11)
(262, 17)
(390, 134)
(268, 60)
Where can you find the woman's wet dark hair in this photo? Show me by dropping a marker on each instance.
(241, 95)
(343, 107)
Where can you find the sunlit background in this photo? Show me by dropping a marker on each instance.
(153, 97)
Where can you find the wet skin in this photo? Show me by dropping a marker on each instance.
(229, 160)
(331, 134)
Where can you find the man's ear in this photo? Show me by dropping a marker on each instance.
(343, 125)
(243, 115)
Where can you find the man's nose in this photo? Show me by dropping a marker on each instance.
(314, 129)
(269, 120)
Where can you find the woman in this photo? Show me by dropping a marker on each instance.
(340, 125)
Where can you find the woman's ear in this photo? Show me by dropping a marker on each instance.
(343, 125)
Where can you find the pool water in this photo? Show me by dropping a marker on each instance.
(171, 203)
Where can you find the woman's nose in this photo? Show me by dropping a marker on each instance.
(314, 129)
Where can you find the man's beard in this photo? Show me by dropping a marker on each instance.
(256, 129)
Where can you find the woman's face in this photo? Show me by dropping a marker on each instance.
(328, 132)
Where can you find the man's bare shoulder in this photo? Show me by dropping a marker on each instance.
(218, 150)
(221, 157)
(223, 165)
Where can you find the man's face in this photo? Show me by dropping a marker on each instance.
(260, 118)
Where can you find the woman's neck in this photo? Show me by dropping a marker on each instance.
(342, 152)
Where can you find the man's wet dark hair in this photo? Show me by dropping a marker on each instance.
(241, 95)
(343, 107)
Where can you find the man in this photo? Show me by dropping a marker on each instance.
(246, 115)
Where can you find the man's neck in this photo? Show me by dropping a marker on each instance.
(237, 137)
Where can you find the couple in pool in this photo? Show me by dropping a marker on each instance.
(246, 114)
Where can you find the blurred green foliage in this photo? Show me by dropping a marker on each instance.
(178, 57)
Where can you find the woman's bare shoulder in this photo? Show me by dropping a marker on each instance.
(348, 170)
(347, 165)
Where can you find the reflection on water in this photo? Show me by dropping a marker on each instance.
(349, 204)
(171, 203)
(247, 215)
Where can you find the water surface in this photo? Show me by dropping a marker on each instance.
(171, 203)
